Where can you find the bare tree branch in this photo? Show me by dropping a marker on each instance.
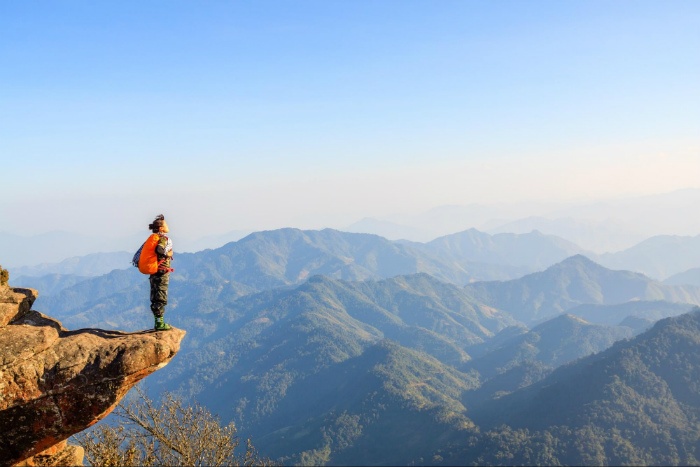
(171, 433)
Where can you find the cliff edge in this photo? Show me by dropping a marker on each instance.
(55, 382)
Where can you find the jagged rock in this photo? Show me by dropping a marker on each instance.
(15, 303)
(55, 382)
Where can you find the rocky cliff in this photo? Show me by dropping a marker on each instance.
(55, 382)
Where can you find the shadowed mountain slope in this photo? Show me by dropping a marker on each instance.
(326, 321)
(635, 403)
(388, 406)
(552, 344)
(525, 358)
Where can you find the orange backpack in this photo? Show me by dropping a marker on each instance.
(148, 260)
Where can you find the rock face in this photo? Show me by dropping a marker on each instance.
(55, 382)
(15, 303)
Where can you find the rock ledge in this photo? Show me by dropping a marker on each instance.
(55, 382)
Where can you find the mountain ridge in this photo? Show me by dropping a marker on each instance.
(636, 402)
(576, 280)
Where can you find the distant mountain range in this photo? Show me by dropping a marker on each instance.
(58, 252)
(49, 284)
(530, 252)
(638, 314)
(577, 280)
(388, 230)
(689, 277)
(335, 348)
(658, 257)
(289, 256)
(601, 227)
(94, 264)
(604, 226)
(597, 236)
(462, 257)
(42, 250)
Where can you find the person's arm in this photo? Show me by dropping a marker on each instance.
(164, 248)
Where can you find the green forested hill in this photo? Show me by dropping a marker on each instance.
(524, 358)
(276, 352)
(325, 321)
(388, 406)
(636, 403)
(552, 343)
(575, 281)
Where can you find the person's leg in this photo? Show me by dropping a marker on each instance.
(159, 298)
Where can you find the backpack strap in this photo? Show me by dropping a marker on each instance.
(161, 268)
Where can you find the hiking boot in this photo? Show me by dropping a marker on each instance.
(161, 325)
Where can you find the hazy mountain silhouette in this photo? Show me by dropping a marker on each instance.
(49, 284)
(94, 264)
(606, 225)
(209, 241)
(658, 257)
(18, 251)
(613, 315)
(530, 252)
(388, 230)
(689, 277)
(599, 237)
(574, 281)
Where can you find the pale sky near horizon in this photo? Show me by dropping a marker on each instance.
(261, 114)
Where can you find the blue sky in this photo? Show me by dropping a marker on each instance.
(263, 114)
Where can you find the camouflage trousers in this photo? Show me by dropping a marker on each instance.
(159, 292)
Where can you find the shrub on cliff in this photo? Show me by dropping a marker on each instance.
(4, 276)
(169, 434)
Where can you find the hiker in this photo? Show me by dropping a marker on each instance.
(160, 248)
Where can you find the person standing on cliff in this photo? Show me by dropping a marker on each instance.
(161, 278)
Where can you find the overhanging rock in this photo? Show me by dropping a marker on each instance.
(55, 382)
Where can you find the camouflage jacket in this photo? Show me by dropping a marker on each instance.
(164, 250)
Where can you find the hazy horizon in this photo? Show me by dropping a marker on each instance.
(258, 115)
(606, 226)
